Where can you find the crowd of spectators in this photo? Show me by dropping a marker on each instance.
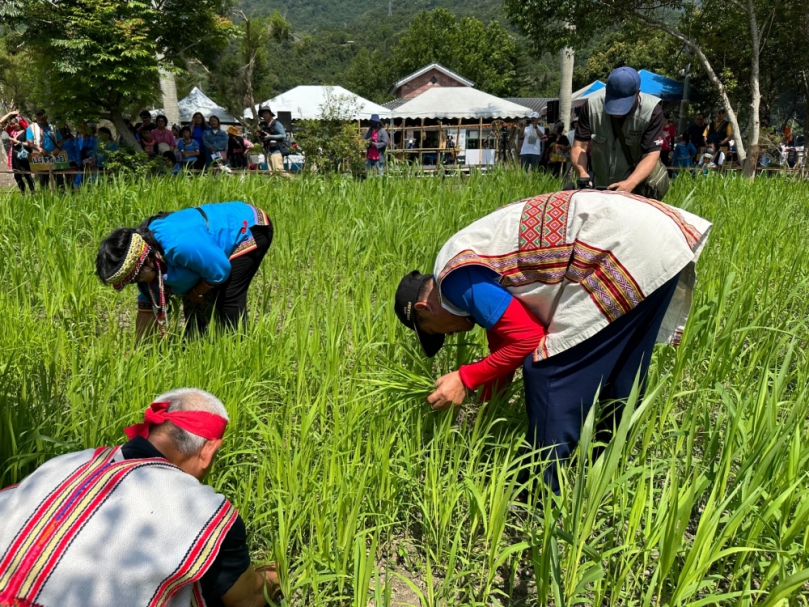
(704, 144)
(196, 146)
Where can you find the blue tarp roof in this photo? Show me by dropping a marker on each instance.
(596, 86)
(660, 86)
(651, 83)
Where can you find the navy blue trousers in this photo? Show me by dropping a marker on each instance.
(559, 391)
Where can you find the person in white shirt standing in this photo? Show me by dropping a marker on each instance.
(532, 138)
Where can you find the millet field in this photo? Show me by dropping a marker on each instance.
(345, 476)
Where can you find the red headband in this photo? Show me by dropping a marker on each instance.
(204, 424)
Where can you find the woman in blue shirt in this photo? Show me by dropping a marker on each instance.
(207, 254)
(71, 145)
(198, 127)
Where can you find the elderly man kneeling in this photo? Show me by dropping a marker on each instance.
(132, 525)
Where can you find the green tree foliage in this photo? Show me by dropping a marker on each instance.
(360, 57)
(631, 45)
(485, 54)
(308, 15)
(16, 78)
(242, 76)
(100, 57)
(368, 75)
(332, 143)
(728, 38)
(782, 23)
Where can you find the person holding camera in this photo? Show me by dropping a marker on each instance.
(273, 137)
(376, 142)
(531, 149)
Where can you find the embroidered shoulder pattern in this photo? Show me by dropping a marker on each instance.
(544, 221)
(542, 256)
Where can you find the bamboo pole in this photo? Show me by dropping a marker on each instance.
(480, 142)
(421, 145)
(457, 149)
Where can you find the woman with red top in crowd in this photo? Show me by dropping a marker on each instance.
(15, 125)
(575, 288)
(669, 139)
(164, 138)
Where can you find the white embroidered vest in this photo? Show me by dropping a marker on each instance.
(581, 259)
(89, 529)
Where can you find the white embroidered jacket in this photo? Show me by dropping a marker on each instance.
(581, 259)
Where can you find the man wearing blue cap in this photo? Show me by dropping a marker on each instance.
(376, 141)
(626, 130)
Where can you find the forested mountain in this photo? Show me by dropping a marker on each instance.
(306, 15)
(358, 45)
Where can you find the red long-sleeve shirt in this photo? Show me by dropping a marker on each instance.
(516, 335)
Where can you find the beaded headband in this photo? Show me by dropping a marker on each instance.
(133, 262)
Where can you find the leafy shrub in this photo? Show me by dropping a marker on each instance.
(332, 143)
(126, 161)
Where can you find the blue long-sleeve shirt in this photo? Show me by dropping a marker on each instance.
(194, 251)
(684, 155)
(73, 148)
(196, 134)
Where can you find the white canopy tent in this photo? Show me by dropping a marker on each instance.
(307, 102)
(197, 101)
(459, 102)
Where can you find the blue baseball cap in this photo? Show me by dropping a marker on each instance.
(622, 86)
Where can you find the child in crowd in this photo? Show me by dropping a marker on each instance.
(104, 145)
(148, 144)
(684, 152)
(711, 159)
(188, 148)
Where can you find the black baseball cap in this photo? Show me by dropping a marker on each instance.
(407, 294)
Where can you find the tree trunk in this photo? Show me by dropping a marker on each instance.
(249, 97)
(117, 119)
(4, 156)
(755, 102)
(566, 57)
(168, 88)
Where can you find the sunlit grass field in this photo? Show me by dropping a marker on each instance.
(348, 480)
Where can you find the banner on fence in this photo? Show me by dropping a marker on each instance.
(48, 162)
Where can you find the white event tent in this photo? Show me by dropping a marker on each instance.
(197, 101)
(307, 102)
(459, 103)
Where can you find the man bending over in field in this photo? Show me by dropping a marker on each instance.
(574, 286)
(132, 525)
